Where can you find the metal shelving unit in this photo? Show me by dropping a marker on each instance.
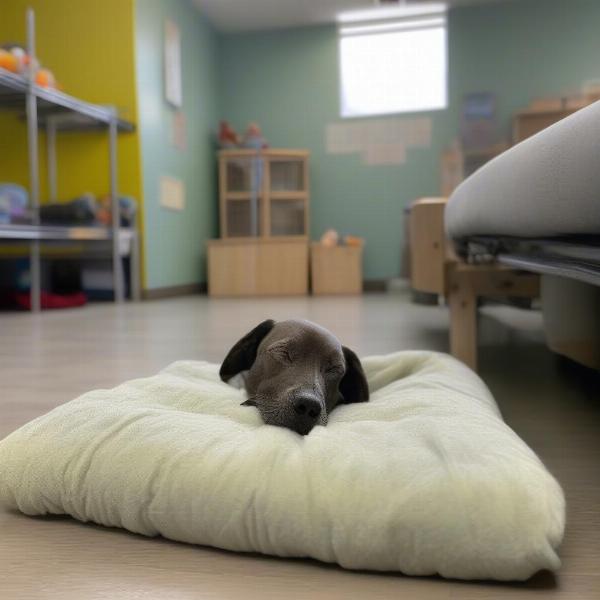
(56, 112)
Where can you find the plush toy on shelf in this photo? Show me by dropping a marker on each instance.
(127, 210)
(14, 200)
(253, 138)
(228, 138)
(45, 78)
(14, 58)
(8, 61)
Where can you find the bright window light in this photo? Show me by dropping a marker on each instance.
(393, 67)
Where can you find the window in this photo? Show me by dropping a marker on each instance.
(393, 66)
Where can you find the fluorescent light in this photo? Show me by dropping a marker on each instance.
(392, 26)
(395, 12)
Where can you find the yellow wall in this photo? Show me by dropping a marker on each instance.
(89, 45)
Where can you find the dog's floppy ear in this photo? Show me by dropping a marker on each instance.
(353, 386)
(242, 356)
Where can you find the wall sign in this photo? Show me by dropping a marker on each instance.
(173, 91)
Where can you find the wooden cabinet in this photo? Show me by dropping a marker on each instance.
(264, 212)
(531, 121)
(263, 193)
(258, 267)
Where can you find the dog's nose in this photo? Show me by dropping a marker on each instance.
(307, 407)
(308, 411)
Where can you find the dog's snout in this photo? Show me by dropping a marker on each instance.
(307, 412)
(308, 407)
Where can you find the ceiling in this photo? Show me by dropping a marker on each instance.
(253, 15)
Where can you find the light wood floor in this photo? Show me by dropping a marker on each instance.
(49, 359)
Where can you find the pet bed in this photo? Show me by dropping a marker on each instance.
(425, 478)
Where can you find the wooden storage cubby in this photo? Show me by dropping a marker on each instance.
(263, 193)
(264, 212)
(336, 270)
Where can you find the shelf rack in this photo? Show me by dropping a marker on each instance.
(56, 112)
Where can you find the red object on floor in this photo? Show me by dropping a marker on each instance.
(50, 300)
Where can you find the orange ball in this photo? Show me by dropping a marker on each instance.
(9, 61)
(44, 78)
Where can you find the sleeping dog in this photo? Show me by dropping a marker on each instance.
(295, 373)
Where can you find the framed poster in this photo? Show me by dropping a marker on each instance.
(478, 120)
(173, 91)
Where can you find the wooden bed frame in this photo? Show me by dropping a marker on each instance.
(435, 268)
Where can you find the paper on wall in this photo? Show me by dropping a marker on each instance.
(172, 193)
(384, 154)
(378, 141)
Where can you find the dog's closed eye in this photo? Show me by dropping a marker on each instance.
(333, 370)
(280, 352)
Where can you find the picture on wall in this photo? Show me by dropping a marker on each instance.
(173, 84)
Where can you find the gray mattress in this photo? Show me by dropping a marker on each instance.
(546, 186)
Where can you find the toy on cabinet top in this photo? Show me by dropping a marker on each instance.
(331, 238)
(228, 138)
(253, 138)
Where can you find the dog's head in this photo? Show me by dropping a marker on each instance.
(298, 372)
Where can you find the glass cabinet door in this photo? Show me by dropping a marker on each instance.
(287, 175)
(244, 178)
(288, 217)
(238, 175)
(240, 219)
(264, 194)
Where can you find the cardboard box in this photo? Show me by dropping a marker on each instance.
(336, 270)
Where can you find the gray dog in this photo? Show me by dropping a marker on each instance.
(297, 373)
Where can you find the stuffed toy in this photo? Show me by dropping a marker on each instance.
(253, 138)
(353, 240)
(14, 58)
(14, 200)
(45, 78)
(127, 211)
(228, 138)
(8, 61)
(330, 238)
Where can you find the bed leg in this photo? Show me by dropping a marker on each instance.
(463, 318)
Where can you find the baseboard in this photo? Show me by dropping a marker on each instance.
(173, 291)
(375, 285)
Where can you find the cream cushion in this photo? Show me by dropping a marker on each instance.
(425, 478)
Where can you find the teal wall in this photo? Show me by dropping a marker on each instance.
(174, 246)
(288, 82)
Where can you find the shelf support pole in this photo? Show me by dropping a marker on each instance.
(51, 158)
(117, 264)
(134, 254)
(35, 271)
